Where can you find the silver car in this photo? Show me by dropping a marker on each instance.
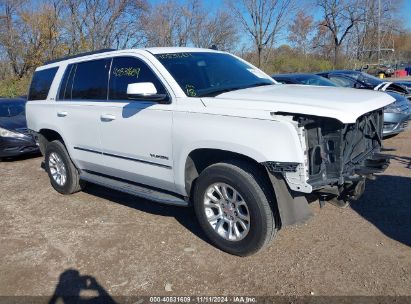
(396, 115)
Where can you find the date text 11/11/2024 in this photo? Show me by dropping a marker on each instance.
(203, 299)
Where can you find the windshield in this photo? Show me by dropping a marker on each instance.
(13, 108)
(202, 74)
(367, 79)
(314, 80)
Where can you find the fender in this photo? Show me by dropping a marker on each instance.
(259, 139)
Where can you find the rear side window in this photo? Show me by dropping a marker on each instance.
(126, 70)
(67, 82)
(40, 84)
(90, 80)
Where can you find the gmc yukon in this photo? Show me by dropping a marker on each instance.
(204, 128)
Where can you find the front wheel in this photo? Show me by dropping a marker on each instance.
(233, 205)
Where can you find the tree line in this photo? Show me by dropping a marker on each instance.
(276, 35)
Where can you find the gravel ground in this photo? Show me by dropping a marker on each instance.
(128, 246)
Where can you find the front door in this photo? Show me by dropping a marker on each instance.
(136, 134)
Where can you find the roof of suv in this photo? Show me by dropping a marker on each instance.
(154, 51)
(164, 50)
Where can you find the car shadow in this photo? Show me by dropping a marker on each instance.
(73, 288)
(184, 215)
(134, 107)
(403, 160)
(386, 204)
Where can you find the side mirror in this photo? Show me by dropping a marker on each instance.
(144, 91)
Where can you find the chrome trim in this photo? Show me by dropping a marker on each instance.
(123, 157)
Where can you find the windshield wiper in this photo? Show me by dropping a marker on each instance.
(225, 90)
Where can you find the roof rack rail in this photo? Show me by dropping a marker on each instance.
(79, 55)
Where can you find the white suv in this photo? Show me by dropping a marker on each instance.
(196, 126)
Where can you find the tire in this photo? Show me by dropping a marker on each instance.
(252, 188)
(56, 150)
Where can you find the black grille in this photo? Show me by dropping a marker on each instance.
(337, 150)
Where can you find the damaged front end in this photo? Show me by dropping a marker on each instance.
(338, 159)
(341, 156)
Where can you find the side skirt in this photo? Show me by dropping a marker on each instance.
(134, 189)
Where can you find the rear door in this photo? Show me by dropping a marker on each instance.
(82, 93)
(136, 134)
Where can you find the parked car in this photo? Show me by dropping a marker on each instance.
(396, 115)
(361, 80)
(377, 69)
(405, 84)
(14, 137)
(195, 126)
(307, 79)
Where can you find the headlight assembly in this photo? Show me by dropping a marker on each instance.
(8, 133)
(392, 108)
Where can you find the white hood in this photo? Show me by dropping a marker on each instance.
(343, 104)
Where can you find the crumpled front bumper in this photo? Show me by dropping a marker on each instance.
(10, 147)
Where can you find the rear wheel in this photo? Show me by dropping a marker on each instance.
(64, 176)
(232, 204)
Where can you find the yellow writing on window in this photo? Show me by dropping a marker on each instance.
(129, 72)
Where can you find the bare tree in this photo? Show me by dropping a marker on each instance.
(218, 29)
(263, 20)
(339, 18)
(300, 31)
(171, 23)
(96, 24)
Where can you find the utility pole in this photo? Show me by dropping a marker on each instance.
(379, 33)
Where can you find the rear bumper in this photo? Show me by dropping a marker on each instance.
(394, 123)
(17, 146)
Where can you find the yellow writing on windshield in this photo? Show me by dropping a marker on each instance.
(173, 55)
(191, 90)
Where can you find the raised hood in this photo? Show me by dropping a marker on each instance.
(343, 104)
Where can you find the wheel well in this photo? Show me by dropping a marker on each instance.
(200, 159)
(45, 136)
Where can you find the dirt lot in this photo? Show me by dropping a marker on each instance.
(135, 247)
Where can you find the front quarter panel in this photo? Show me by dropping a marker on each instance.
(260, 139)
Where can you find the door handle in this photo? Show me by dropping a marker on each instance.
(62, 114)
(107, 117)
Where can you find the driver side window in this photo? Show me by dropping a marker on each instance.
(126, 70)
